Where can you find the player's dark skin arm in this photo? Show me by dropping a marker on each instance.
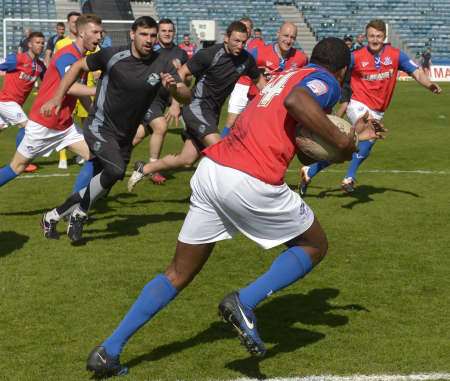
(304, 109)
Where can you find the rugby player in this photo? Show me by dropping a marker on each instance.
(374, 72)
(22, 71)
(154, 118)
(131, 78)
(45, 133)
(270, 59)
(217, 70)
(239, 187)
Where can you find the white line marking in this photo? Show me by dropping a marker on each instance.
(389, 171)
(37, 176)
(382, 171)
(361, 377)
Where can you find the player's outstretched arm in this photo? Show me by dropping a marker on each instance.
(304, 109)
(421, 77)
(68, 82)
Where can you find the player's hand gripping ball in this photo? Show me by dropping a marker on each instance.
(312, 148)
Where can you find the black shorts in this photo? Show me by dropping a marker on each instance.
(199, 122)
(109, 150)
(156, 110)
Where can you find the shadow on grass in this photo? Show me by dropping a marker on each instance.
(361, 195)
(11, 241)
(129, 225)
(276, 318)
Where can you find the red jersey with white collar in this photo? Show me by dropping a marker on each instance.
(374, 77)
(189, 49)
(262, 141)
(267, 58)
(21, 73)
(59, 65)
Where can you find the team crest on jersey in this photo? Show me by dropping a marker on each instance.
(153, 79)
(387, 61)
(317, 86)
(241, 68)
(97, 146)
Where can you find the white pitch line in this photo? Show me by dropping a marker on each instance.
(383, 171)
(38, 176)
(389, 171)
(361, 377)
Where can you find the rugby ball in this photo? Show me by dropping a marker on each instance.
(311, 147)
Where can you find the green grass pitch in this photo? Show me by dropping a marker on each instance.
(378, 303)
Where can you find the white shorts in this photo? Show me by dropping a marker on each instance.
(356, 110)
(42, 141)
(225, 201)
(238, 98)
(11, 113)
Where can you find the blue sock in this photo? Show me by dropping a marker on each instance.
(226, 130)
(6, 175)
(291, 265)
(19, 136)
(154, 296)
(84, 176)
(364, 149)
(315, 168)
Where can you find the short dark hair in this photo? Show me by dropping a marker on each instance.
(166, 21)
(331, 53)
(144, 22)
(73, 13)
(60, 24)
(257, 30)
(348, 37)
(236, 26)
(87, 18)
(186, 35)
(35, 34)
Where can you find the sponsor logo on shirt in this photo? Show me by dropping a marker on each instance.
(27, 77)
(379, 76)
(153, 79)
(317, 86)
(241, 68)
(364, 63)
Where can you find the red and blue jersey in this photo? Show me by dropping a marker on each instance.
(21, 73)
(59, 65)
(374, 76)
(262, 143)
(268, 59)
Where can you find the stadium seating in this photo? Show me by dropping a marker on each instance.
(25, 9)
(262, 12)
(418, 24)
